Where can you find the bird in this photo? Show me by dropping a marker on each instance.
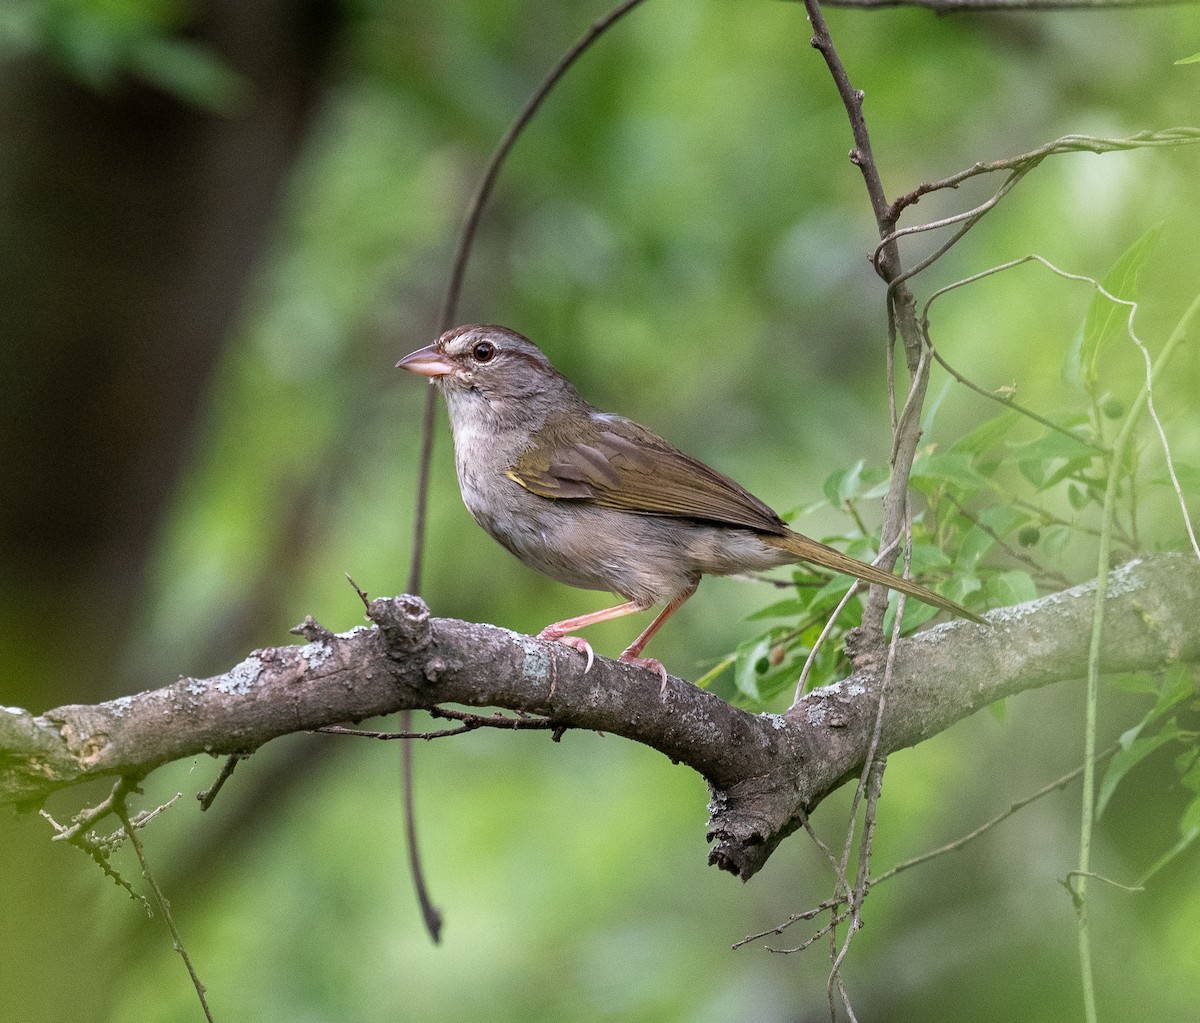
(598, 501)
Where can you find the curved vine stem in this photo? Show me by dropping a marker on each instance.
(463, 254)
(1120, 446)
(429, 912)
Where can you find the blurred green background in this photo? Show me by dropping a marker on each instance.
(220, 226)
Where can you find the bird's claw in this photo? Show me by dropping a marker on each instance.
(582, 645)
(652, 663)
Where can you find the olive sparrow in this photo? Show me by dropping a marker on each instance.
(597, 501)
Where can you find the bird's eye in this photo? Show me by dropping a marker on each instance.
(483, 351)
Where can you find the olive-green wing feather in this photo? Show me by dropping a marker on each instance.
(618, 464)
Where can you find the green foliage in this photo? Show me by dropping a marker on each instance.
(681, 228)
(101, 42)
(1106, 319)
(980, 537)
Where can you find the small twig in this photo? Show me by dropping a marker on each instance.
(1007, 402)
(1051, 574)
(795, 918)
(987, 826)
(362, 594)
(1181, 329)
(85, 818)
(431, 914)
(1066, 144)
(362, 733)
(834, 902)
(1068, 883)
(970, 218)
(208, 795)
(119, 793)
(816, 935)
(98, 852)
(830, 624)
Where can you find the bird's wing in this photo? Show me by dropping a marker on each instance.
(616, 463)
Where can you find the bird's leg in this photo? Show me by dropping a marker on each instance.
(630, 656)
(558, 631)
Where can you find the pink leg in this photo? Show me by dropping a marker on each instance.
(558, 631)
(630, 656)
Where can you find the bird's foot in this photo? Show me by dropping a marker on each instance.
(575, 643)
(653, 663)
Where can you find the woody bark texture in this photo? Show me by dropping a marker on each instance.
(766, 771)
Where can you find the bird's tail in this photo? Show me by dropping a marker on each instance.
(809, 550)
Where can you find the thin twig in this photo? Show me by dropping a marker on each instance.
(120, 791)
(1009, 403)
(987, 826)
(1181, 136)
(795, 918)
(1051, 574)
(431, 914)
(208, 795)
(1184, 323)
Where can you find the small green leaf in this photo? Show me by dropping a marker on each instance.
(789, 607)
(710, 676)
(1126, 759)
(916, 614)
(1012, 587)
(1188, 476)
(1107, 319)
(1193, 59)
(191, 72)
(1190, 834)
(843, 486)
(1133, 682)
(986, 435)
(1189, 823)
(947, 467)
(753, 662)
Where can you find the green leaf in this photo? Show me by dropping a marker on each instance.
(1177, 685)
(789, 607)
(753, 662)
(1190, 834)
(1106, 319)
(1126, 759)
(947, 467)
(1133, 682)
(1188, 476)
(710, 676)
(1000, 520)
(932, 406)
(1189, 823)
(986, 435)
(843, 486)
(1012, 587)
(191, 72)
(1193, 59)
(916, 614)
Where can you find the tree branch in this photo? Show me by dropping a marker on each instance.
(766, 771)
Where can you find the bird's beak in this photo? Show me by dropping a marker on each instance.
(427, 362)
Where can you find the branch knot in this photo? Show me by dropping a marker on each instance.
(403, 622)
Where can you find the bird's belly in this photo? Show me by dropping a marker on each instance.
(646, 558)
